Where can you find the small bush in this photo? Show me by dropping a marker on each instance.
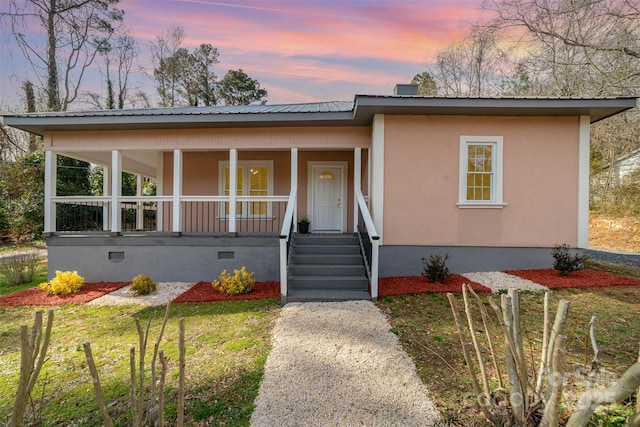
(20, 269)
(65, 282)
(566, 263)
(142, 285)
(435, 268)
(240, 283)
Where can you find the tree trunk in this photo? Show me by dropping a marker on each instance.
(552, 410)
(474, 339)
(31, 349)
(517, 398)
(558, 326)
(591, 399)
(545, 342)
(53, 93)
(96, 385)
(485, 323)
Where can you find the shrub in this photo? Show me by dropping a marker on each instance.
(435, 268)
(64, 283)
(566, 263)
(142, 285)
(240, 283)
(20, 269)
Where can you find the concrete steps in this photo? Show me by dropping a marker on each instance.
(326, 268)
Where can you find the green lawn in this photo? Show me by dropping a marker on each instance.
(227, 346)
(424, 323)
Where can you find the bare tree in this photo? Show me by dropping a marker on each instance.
(72, 33)
(585, 48)
(165, 71)
(122, 51)
(471, 67)
(118, 55)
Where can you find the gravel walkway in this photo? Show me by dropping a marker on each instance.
(616, 257)
(498, 281)
(165, 293)
(338, 364)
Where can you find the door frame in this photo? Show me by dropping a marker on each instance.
(343, 165)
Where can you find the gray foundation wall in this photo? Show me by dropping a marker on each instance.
(165, 259)
(406, 260)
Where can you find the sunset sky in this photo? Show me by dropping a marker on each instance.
(299, 50)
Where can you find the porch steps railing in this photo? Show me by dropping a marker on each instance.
(326, 268)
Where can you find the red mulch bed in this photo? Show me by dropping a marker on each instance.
(389, 286)
(36, 296)
(204, 292)
(586, 278)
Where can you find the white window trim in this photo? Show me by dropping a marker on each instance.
(246, 165)
(497, 201)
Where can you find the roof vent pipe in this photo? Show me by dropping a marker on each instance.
(405, 90)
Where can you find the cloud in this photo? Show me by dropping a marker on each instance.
(301, 50)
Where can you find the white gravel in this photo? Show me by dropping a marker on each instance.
(164, 293)
(498, 281)
(338, 364)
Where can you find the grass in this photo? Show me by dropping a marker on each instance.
(227, 346)
(40, 274)
(425, 327)
(39, 277)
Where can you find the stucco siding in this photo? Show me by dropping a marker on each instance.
(201, 173)
(422, 172)
(209, 138)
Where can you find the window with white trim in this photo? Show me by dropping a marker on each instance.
(254, 178)
(480, 182)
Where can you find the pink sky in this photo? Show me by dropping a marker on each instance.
(299, 50)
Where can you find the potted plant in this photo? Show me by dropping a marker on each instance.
(303, 225)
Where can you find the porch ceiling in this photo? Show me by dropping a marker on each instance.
(136, 162)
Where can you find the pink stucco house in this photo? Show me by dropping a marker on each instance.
(385, 181)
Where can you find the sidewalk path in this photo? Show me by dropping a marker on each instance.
(10, 256)
(338, 364)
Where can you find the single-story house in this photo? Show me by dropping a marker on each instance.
(385, 181)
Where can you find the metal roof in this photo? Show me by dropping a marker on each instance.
(360, 112)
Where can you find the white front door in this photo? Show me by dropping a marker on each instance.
(328, 198)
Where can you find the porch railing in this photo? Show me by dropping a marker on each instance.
(286, 234)
(369, 242)
(199, 214)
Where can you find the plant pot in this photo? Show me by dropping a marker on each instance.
(303, 227)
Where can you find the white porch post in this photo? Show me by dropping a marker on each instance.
(376, 191)
(106, 191)
(369, 178)
(233, 188)
(177, 190)
(50, 179)
(160, 191)
(116, 190)
(357, 178)
(375, 250)
(139, 205)
(583, 181)
(294, 182)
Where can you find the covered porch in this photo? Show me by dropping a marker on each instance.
(212, 210)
